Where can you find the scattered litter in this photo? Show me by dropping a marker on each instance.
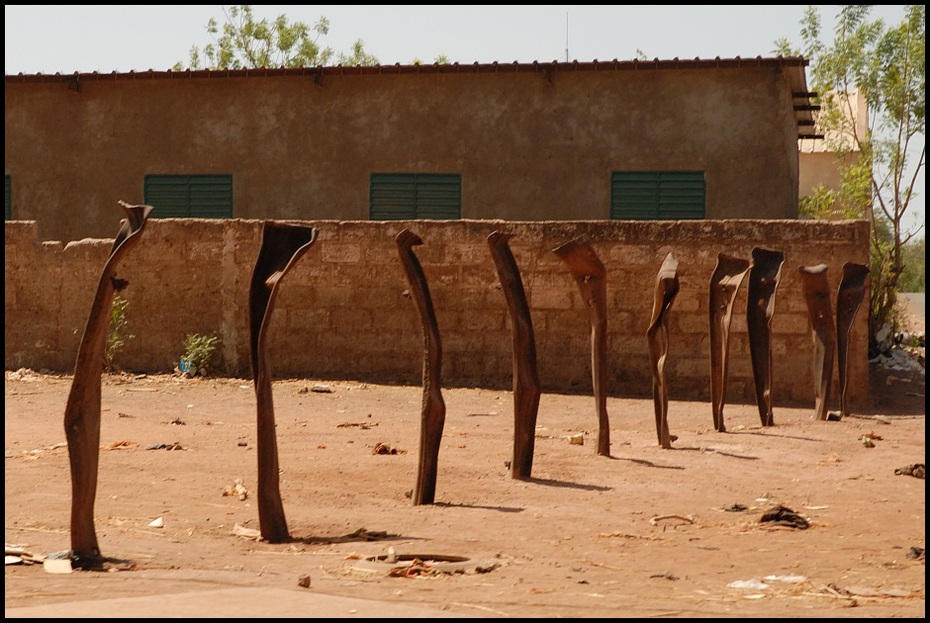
(684, 519)
(166, 446)
(12, 560)
(916, 553)
(834, 416)
(790, 579)
(177, 422)
(753, 584)
(118, 445)
(237, 489)
(248, 533)
(157, 523)
(784, 516)
(383, 448)
(321, 389)
(668, 575)
(577, 439)
(362, 425)
(303, 581)
(917, 470)
(867, 442)
(735, 508)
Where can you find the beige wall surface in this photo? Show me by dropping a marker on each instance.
(345, 311)
(530, 146)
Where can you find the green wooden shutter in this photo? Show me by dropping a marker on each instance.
(653, 195)
(399, 196)
(7, 198)
(189, 196)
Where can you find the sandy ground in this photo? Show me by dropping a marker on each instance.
(646, 532)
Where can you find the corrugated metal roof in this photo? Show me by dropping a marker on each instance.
(794, 64)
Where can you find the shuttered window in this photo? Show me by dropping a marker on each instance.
(657, 195)
(402, 196)
(189, 196)
(7, 198)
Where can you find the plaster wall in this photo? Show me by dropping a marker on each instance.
(530, 146)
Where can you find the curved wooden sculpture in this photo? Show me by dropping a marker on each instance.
(282, 245)
(589, 273)
(763, 282)
(433, 413)
(666, 290)
(820, 312)
(848, 299)
(82, 413)
(724, 284)
(526, 390)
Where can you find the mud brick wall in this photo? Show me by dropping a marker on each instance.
(345, 311)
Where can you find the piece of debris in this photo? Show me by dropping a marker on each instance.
(668, 575)
(873, 436)
(124, 415)
(237, 489)
(834, 416)
(682, 519)
(917, 470)
(784, 516)
(157, 523)
(303, 581)
(116, 445)
(867, 442)
(383, 448)
(577, 439)
(321, 389)
(58, 562)
(362, 425)
(735, 508)
(242, 444)
(752, 584)
(247, 533)
(166, 446)
(177, 422)
(916, 553)
(790, 579)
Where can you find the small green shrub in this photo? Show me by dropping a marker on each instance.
(117, 332)
(199, 349)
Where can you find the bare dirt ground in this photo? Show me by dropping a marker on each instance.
(645, 532)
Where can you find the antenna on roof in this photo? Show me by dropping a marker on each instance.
(566, 37)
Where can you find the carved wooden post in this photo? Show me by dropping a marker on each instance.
(433, 412)
(724, 284)
(589, 274)
(82, 413)
(820, 312)
(848, 299)
(282, 245)
(763, 282)
(667, 286)
(526, 389)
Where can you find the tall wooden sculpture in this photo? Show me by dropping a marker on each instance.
(589, 274)
(526, 390)
(667, 286)
(820, 313)
(724, 284)
(282, 245)
(763, 282)
(848, 299)
(82, 413)
(433, 412)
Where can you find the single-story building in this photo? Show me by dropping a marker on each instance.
(615, 140)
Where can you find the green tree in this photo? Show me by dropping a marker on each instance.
(914, 277)
(887, 63)
(243, 41)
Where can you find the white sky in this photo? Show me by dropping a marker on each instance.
(84, 38)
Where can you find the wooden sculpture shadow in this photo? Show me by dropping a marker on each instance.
(433, 412)
(526, 389)
(848, 300)
(820, 313)
(589, 274)
(82, 413)
(667, 286)
(724, 284)
(763, 282)
(282, 245)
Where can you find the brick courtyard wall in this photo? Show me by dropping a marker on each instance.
(345, 310)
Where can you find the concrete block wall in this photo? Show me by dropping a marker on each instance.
(345, 311)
